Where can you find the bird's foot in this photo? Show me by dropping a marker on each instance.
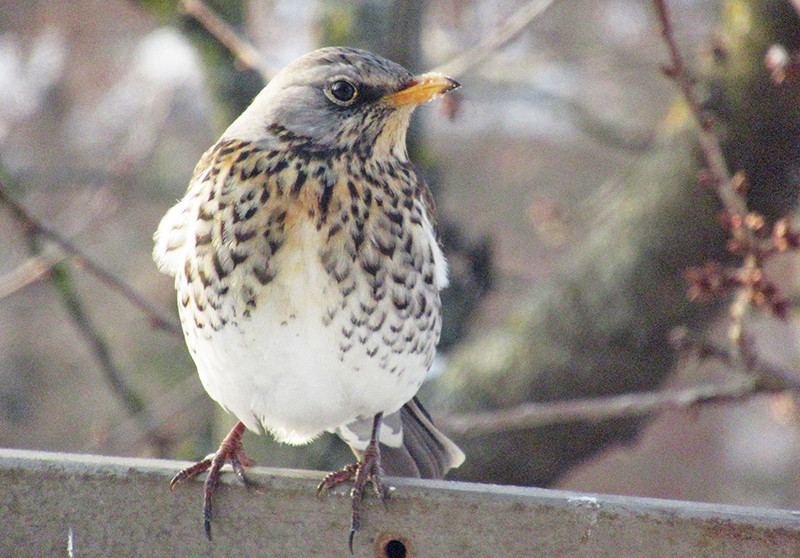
(367, 470)
(337, 477)
(229, 450)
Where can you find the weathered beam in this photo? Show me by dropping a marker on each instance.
(62, 504)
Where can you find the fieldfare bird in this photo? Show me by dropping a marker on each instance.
(308, 270)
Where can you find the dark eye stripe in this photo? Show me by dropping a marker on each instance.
(370, 93)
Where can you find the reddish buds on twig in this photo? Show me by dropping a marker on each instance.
(712, 280)
(784, 236)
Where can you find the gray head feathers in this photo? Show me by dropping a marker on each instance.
(331, 98)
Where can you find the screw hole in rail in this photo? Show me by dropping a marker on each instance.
(395, 549)
(392, 546)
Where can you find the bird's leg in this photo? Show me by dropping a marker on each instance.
(229, 450)
(368, 469)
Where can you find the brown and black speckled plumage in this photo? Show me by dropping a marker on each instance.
(307, 266)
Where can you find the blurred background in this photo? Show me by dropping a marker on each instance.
(565, 172)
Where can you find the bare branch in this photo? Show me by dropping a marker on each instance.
(129, 397)
(724, 182)
(249, 56)
(244, 51)
(62, 281)
(748, 238)
(755, 377)
(630, 405)
(127, 434)
(34, 226)
(504, 34)
(30, 271)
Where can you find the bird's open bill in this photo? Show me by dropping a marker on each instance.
(423, 89)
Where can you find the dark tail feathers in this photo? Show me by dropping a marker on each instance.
(425, 453)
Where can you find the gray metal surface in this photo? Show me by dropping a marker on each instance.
(80, 505)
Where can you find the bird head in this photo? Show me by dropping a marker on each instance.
(339, 99)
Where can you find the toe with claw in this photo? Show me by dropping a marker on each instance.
(229, 450)
(367, 470)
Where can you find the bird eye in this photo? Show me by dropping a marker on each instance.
(342, 92)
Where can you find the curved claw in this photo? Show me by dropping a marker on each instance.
(337, 477)
(191, 472)
(367, 470)
(229, 450)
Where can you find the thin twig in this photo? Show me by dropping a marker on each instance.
(504, 34)
(127, 434)
(33, 225)
(30, 271)
(244, 52)
(712, 151)
(130, 398)
(757, 377)
(59, 275)
(77, 312)
(249, 56)
(629, 405)
(743, 225)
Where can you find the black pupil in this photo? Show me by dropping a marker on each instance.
(343, 91)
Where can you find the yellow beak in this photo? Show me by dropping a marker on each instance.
(422, 89)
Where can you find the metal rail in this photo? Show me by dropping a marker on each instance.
(79, 505)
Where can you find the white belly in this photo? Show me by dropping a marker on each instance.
(290, 380)
(289, 369)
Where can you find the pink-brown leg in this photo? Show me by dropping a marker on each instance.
(229, 450)
(366, 470)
